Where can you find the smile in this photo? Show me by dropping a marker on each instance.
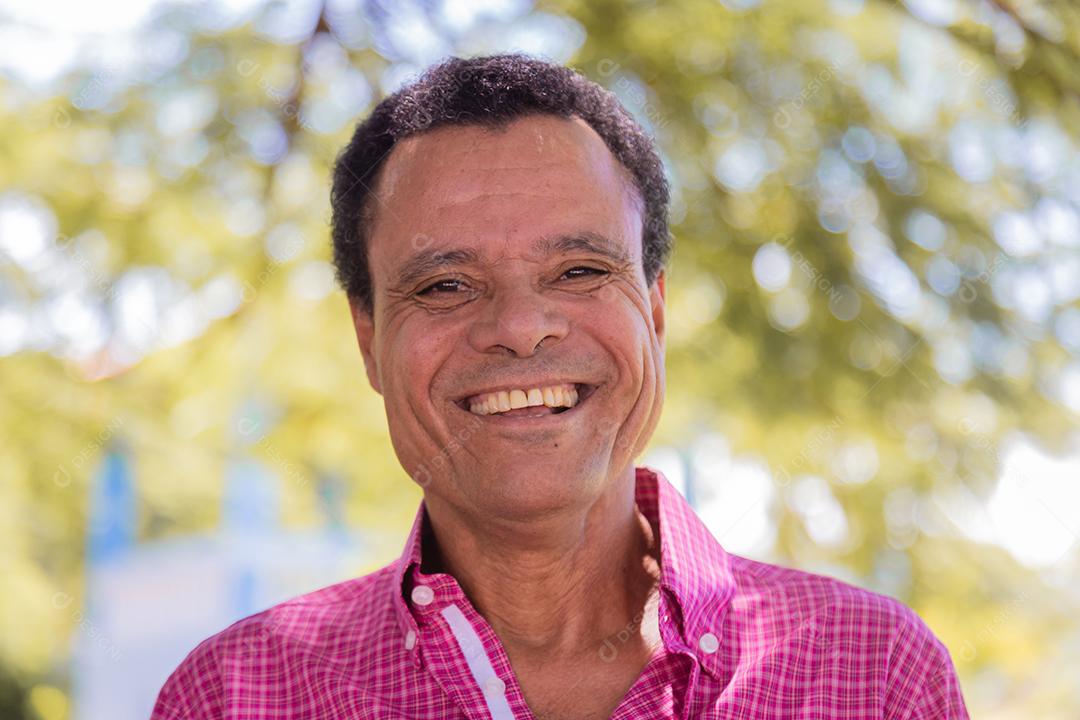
(528, 402)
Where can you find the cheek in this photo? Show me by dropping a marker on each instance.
(413, 357)
(625, 332)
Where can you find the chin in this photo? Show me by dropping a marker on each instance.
(516, 490)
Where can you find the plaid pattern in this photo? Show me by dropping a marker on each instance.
(741, 639)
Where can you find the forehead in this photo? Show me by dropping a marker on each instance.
(545, 142)
(540, 175)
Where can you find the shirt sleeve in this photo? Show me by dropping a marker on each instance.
(940, 697)
(194, 690)
(922, 681)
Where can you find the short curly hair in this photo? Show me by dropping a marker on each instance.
(488, 91)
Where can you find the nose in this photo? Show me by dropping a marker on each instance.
(517, 321)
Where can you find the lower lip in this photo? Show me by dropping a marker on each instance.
(530, 420)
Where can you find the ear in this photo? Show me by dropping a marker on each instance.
(657, 298)
(364, 325)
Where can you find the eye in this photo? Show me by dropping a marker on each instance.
(443, 287)
(582, 271)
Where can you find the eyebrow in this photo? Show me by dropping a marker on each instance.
(431, 260)
(587, 241)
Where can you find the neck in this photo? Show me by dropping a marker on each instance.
(559, 587)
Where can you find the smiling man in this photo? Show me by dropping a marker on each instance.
(500, 232)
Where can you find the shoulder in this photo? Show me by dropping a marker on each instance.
(326, 620)
(856, 636)
(879, 627)
(339, 625)
(356, 607)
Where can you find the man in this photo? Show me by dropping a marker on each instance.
(500, 231)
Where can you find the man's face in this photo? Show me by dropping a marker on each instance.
(507, 268)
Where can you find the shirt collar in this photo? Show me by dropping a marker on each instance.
(403, 569)
(695, 571)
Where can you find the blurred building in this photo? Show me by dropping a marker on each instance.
(149, 604)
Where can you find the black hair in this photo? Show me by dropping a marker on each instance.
(488, 91)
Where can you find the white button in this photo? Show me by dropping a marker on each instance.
(708, 643)
(410, 640)
(493, 687)
(423, 595)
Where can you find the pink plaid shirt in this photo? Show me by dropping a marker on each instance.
(741, 639)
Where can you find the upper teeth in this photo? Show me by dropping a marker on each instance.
(503, 400)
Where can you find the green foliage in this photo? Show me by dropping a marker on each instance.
(205, 173)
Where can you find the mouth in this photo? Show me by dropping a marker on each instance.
(537, 401)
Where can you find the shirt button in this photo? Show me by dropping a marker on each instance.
(423, 595)
(708, 643)
(494, 687)
(410, 640)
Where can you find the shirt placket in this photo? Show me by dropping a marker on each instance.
(462, 652)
